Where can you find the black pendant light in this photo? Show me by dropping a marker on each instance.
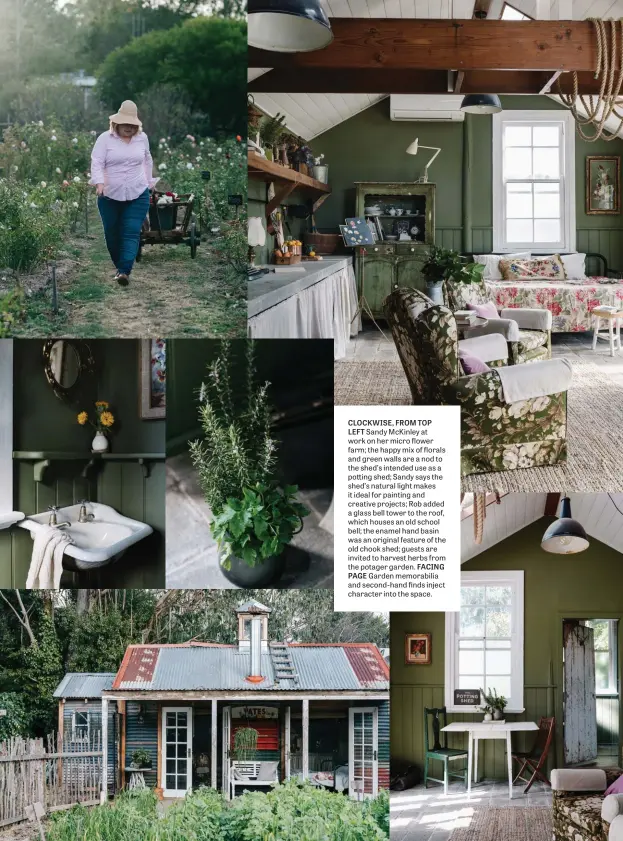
(481, 103)
(565, 536)
(288, 26)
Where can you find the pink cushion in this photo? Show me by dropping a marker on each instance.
(487, 310)
(616, 787)
(471, 364)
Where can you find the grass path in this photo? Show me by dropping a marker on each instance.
(169, 294)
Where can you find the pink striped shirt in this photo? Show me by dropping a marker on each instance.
(125, 169)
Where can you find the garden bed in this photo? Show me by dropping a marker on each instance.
(290, 812)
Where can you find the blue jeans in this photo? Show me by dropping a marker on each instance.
(122, 221)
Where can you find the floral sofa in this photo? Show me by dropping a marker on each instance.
(495, 435)
(580, 810)
(570, 300)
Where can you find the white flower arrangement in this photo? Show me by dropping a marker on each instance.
(318, 160)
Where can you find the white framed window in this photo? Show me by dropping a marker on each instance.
(81, 726)
(485, 639)
(533, 181)
(606, 673)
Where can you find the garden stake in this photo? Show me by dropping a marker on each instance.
(86, 214)
(54, 290)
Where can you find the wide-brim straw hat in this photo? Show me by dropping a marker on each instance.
(127, 113)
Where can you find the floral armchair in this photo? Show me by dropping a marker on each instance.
(581, 810)
(495, 434)
(527, 331)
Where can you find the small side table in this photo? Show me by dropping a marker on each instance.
(613, 320)
(137, 780)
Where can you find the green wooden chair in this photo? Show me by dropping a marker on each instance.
(440, 751)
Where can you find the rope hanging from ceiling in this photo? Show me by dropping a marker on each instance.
(599, 108)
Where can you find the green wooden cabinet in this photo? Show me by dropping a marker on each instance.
(405, 208)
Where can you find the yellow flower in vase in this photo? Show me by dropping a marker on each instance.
(102, 403)
(82, 418)
(107, 419)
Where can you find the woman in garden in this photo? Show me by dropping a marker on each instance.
(121, 170)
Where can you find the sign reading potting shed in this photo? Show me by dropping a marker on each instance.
(466, 697)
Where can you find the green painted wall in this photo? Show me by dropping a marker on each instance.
(555, 588)
(257, 201)
(370, 147)
(43, 422)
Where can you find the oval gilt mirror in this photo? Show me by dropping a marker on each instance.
(67, 364)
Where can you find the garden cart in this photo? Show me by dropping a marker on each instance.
(171, 221)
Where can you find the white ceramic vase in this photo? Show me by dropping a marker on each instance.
(100, 443)
(497, 715)
(488, 717)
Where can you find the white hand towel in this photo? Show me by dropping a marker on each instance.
(46, 565)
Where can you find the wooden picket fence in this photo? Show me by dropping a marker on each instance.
(48, 772)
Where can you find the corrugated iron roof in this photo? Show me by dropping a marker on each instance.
(200, 667)
(253, 606)
(84, 685)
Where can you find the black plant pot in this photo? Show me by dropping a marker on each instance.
(261, 575)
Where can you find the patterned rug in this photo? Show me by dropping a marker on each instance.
(532, 823)
(594, 435)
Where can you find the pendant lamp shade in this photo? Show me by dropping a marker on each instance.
(288, 26)
(481, 103)
(565, 536)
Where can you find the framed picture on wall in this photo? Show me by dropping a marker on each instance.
(153, 379)
(603, 185)
(417, 649)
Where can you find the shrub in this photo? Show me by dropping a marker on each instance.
(38, 99)
(131, 817)
(28, 235)
(45, 152)
(177, 56)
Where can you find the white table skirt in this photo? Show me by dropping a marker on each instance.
(325, 310)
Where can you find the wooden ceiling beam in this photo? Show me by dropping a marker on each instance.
(384, 80)
(417, 44)
(552, 501)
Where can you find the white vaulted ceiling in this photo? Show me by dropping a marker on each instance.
(596, 512)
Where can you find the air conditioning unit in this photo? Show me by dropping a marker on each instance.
(444, 108)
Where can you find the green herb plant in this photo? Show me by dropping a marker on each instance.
(493, 701)
(141, 758)
(253, 517)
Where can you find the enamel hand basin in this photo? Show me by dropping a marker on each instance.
(9, 518)
(97, 542)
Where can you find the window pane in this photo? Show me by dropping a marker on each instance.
(472, 595)
(502, 685)
(171, 782)
(546, 230)
(546, 162)
(518, 136)
(547, 201)
(545, 136)
(518, 162)
(472, 644)
(519, 230)
(498, 595)
(498, 622)
(519, 201)
(506, 644)
(498, 662)
(473, 622)
(471, 662)
(471, 681)
(602, 669)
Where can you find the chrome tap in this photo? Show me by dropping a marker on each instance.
(85, 516)
(52, 521)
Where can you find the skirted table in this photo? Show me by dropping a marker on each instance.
(477, 730)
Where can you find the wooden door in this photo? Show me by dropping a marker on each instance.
(376, 278)
(225, 757)
(363, 766)
(580, 706)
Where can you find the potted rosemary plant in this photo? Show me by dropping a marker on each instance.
(445, 264)
(253, 517)
(494, 705)
(141, 760)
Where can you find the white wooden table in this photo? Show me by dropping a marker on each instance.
(613, 320)
(477, 730)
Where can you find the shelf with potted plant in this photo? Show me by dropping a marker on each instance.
(286, 180)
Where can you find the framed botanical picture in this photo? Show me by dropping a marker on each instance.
(603, 185)
(417, 649)
(153, 379)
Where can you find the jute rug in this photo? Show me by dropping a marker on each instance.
(594, 434)
(532, 823)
